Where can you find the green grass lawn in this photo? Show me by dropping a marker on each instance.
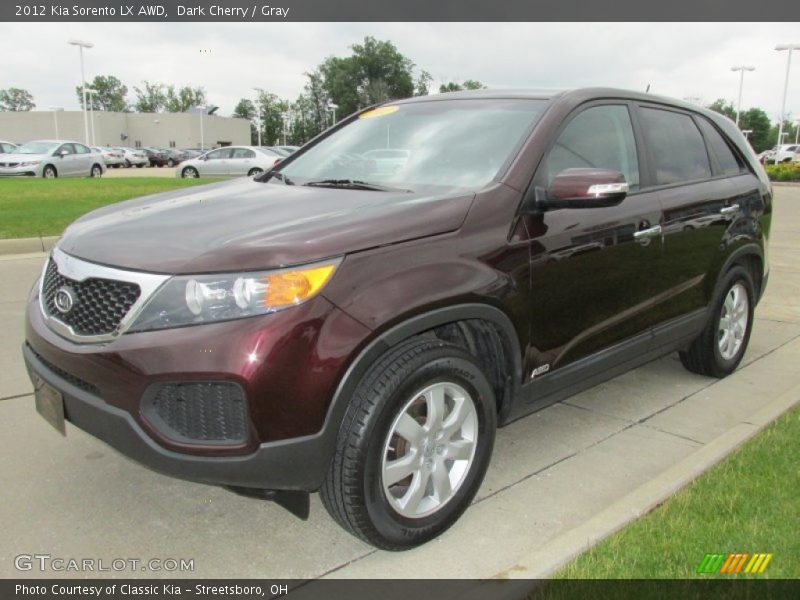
(750, 502)
(32, 207)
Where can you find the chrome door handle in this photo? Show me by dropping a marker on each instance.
(729, 210)
(646, 234)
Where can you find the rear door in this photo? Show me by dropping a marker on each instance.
(83, 159)
(593, 271)
(697, 199)
(241, 161)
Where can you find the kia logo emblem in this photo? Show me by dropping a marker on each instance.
(64, 300)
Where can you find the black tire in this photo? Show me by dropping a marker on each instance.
(97, 171)
(127, 164)
(704, 356)
(49, 172)
(190, 173)
(139, 166)
(171, 163)
(254, 172)
(353, 490)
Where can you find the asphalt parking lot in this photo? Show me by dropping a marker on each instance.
(551, 472)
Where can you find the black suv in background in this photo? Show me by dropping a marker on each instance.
(359, 319)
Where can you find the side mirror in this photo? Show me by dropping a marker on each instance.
(584, 188)
(62, 153)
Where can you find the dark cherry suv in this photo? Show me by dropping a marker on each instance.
(358, 322)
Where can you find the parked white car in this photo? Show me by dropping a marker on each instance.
(230, 161)
(784, 153)
(133, 157)
(52, 158)
(111, 156)
(6, 147)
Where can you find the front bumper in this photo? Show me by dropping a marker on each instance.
(296, 464)
(288, 364)
(19, 171)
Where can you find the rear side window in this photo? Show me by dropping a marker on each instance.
(676, 146)
(727, 160)
(599, 137)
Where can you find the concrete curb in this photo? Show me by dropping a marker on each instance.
(561, 550)
(27, 245)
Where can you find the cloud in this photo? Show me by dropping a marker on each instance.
(675, 59)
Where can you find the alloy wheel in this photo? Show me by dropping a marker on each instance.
(429, 450)
(733, 321)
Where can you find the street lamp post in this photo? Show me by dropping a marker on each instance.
(747, 133)
(91, 93)
(56, 110)
(258, 113)
(81, 45)
(741, 69)
(782, 47)
(333, 108)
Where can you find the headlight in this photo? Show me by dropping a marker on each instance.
(192, 300)
(30, 163)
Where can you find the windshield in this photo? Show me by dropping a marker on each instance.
(451, 143)
(35, 148)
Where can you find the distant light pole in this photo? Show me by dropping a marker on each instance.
(81, 45)
(91, 93)
(741, 69)
(258, 113)
(796, 131)
(782, 47)
(747, 133)
(56, 110)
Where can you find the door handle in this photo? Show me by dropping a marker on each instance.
(729, 210)
(645, 234)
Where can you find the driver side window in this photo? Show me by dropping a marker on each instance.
(65, 148)
(599, 137)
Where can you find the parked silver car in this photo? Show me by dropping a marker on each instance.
(111, 156)
(6, 146)
(52, 158)
(134, 157)
(230, 161)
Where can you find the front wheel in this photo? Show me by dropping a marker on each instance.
(721, 346)
(413, 447)
(49, 172)
(190, 173)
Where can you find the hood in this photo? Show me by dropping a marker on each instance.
(247, 225)
(22, 157)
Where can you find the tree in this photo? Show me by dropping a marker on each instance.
(375, 72)
(270, 117)
(183, 98)
(423, 83)
(109, 94)
(150, 98)
(469, 84)
(723, 107)
(756, 120)
(16, 100)
(245, 109)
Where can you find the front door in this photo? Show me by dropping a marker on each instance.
(594, 271)
(216, 163)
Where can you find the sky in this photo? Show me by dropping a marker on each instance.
(682, 60)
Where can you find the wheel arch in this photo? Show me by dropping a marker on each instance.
(749, 256)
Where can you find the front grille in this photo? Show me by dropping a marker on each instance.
(99, 305)
(8, 164)
(198, 412)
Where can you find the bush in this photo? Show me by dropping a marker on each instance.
(784, 172)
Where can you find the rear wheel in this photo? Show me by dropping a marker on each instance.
(49, 172)
(413, 447)
(190, 173)
(171, 163)
(721, 346)
(254, 172)
(97, 171)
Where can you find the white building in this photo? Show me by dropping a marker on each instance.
(160, 130)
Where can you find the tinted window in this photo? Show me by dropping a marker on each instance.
(599, 137)
(221, 153)
(243, 153)
(68, 148)
(725, 157)
(676, 145)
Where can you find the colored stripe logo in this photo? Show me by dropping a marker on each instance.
(734, 563)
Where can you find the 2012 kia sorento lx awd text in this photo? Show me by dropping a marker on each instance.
(359, 325)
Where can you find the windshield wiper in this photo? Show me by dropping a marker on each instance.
(354, 184)
(282, 177)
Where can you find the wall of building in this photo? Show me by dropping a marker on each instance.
(160, 130)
